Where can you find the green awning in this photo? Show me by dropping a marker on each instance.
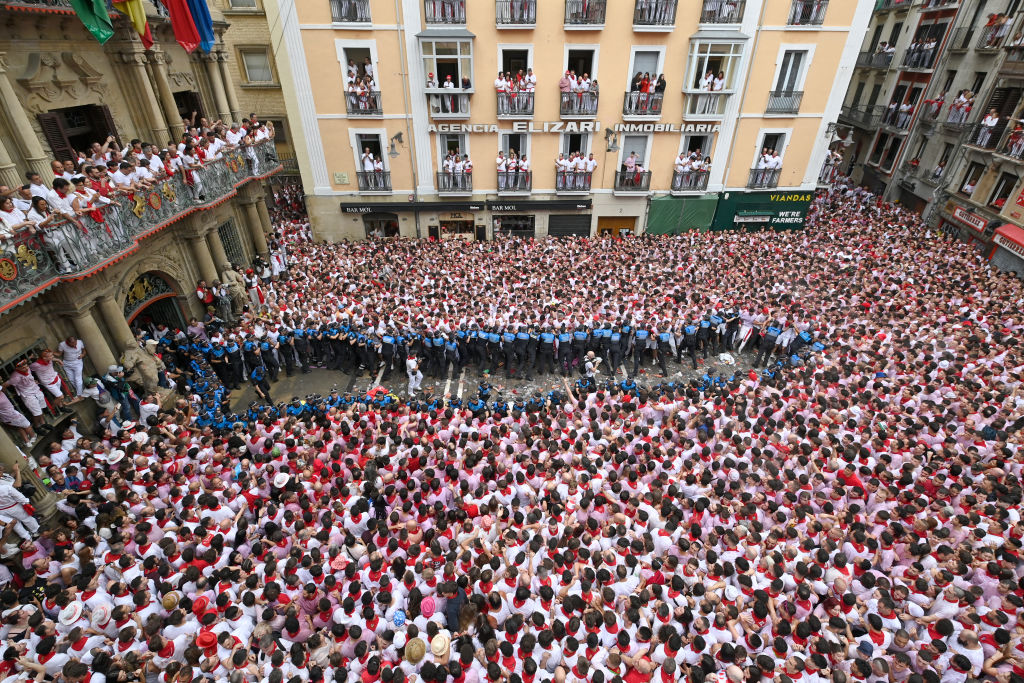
(675, 215)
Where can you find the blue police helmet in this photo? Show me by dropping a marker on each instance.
(282, 338)
(205, 348)
(299, 334)
(232, 347)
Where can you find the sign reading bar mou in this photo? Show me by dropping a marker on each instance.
(573, 127)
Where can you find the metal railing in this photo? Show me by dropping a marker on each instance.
(863, 117)
(444, 11)
(992, 37)
(875, 60)
(34, 259)
(1015, 53)
(896, 118)
(916, 57)
(572, 181)
(722, 11)
(1013, 147)
(985, 137)
(454, 182)
(515, 104)
(515, 12)
(515, 181)
(937, 4)
(636, 103)
(446, 102)
(585, 12)
(684, 181)
(350, 11)
(828, 173)
(808, 12)
(784, 102)
(763, 177)
(289, 164)
(956, 120)
(961, 39)
(705, 103)
(365, 103)
(578, 104)
(633, 181)
(59, 6)
(654, 13)
(885, 5)
(374, 181)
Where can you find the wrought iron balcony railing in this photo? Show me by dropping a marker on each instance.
(515, 181)
(983, 136)
(808, 12)
(515, 104)
(374, 181)
(578, 104)
(572, 181)
(585, 12)
(33, 260)
(722, 11)
(690, 181)
(875, 60)
(654, 13)
(784, 102)
(763, 178)
(636, 103)
(444, 11)
(632, 181)
(454, 183)
(706, 103)
(350, 11)
(515, 12)
(863, 117)
(366, 103)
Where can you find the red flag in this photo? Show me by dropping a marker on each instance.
(184, 27)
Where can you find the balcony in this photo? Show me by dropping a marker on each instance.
(63, 251)
(690, 181)
(807, 12)
(350, 11)
(1014, 146)
(981, 136)
(784, 102)
(704, 104)
(761, 178)
(444, 11)
(632, 181)
(515, 13)
(47, 6)
(897, 119)
(454, 183)
(448, 103)
(886, 5)
(722, 11)
(642, 104)
(991, 38)
(918, 58)
(584, 14)
(654, 15)
(365, 103)
(515, 182)
(956, 121)
(874, 60)
(578, 105)
(929, 5)
(867, 118)
(515, 105)
(961, 39)
(374, 181)
(572, 182)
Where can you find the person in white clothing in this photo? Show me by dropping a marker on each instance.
(45, 370)
(24, 384)
(12, 417)
(501, 164)
(367, 161)
(412, 370)
(13, 502)
(988, 124)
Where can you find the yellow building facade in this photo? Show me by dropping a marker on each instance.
(778, 72)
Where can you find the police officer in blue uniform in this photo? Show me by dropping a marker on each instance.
(639, 347)
(260, 385)
(690, 341)
(532, 346)
(520, 347)
(269, 359)
(666, 349)
(508, 342)
(387, 352)
(614, 349)
(771, 334)
(704, 336)
(451, 356)
(438, 352)
(564, 351)
(286, 350)
(301, 345)
(717, 332)
(235, 367)
(493, 350)
(580, 339)
(478, 345)
(546, 351)
(251, 354)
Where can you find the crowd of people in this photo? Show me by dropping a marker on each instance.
(851, 515)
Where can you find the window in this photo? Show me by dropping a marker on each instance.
(635, 143)
(700, 144)
(515, 60)
(516, 142)
(280, 130)
(455, 143)
(582, 62)
(445, 58)
(791, 74)
(720, 59)
(646, 62)
(894, 35)
(875, 37)
(979, 80)
(876, 91)
(1005, 185)
(947, 152)
(857, 94)
(257, 66)
(575, 142)
(370, 142)
(971, 178)
(879, 150)
(243, 4)
(773, 141)
(950, 77)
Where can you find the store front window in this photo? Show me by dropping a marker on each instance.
(381, 224)
(515, 226)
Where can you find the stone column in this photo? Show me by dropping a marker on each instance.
(44, 501)
(9, 175)
(21, 127)
(158, 67)
(220, 99)
(204, 262)
(96, 346)
(220, 258)
(122, 335)
(255, 225)
(137, 62)
(261, 206)
(229, 87)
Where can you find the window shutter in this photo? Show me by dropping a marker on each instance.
(103, 114)
(53, 131)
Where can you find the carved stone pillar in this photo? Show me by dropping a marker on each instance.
(9, 175)
(217, 85)
(158, 67)
(136, 62)
(229, 87)
(21, 126)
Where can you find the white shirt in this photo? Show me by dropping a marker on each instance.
(71, 354)
(501, 163)
(61, 204)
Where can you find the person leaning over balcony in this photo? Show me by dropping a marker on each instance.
(24, 384)
(589, 166)
(1015, 142)
(448, 99)
(988, 124)
(501, 165)
(87, 202)
(565, 87)
(524, 172)
(13, 221)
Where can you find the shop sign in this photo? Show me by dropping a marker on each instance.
(1010, 245)
(573, 127)
(969, 219)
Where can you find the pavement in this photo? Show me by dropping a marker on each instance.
(322, 381)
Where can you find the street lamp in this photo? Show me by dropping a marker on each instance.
(397, 137)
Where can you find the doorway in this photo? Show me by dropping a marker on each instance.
(188, 101)
(576, 142)
(74, 129)
(645, 62)
(457, 226)
(615, 226)
(358, 55)
(581, 61)
(515, 61)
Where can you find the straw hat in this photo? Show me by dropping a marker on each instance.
(439, 645)
(414, 650)
(170, 601)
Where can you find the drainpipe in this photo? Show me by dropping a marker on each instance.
(400, 17)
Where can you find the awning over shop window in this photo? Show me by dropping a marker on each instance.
(675, 215)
